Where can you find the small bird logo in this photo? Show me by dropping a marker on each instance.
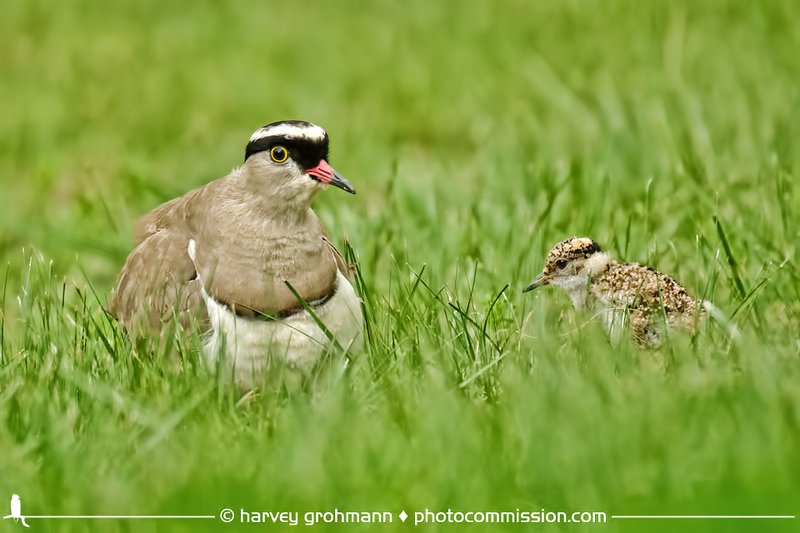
(16, 510)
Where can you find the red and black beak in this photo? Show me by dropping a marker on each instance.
(323, 173)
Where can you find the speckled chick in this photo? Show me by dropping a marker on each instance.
(620, 293)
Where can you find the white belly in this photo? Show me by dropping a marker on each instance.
(297, 341)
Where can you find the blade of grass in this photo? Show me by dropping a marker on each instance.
(734, 265)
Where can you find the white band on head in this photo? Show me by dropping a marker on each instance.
(311, 132)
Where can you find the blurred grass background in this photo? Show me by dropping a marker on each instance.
(477, 135)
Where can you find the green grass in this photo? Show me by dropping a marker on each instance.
(477, 135)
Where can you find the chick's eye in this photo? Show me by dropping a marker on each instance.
(279, 154)
(561, 264)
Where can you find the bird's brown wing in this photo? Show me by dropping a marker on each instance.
(157, 284)
(177, 214)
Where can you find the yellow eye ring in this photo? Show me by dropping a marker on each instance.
(279, 154)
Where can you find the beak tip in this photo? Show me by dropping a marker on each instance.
(342, 183)
(535, 284)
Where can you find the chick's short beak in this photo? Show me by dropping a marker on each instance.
(323, 173)
(536, 283)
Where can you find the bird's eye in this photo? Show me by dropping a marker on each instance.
(561, 264)
(279, 154)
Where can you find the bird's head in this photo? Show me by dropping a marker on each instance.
(289, 161)
(570, 264)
